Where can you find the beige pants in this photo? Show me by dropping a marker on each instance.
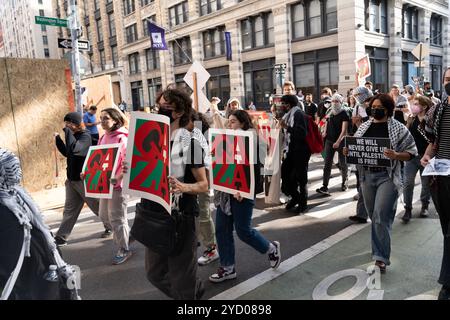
(206, 225)
(113, 213)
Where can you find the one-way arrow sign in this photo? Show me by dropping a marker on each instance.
(67, 44)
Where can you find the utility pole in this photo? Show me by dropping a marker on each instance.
(75, 32)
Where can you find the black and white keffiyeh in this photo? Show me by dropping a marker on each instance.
(401, 141)
(288, 118)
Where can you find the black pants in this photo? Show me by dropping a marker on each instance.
(95, 137)
(440, 190)
(294, 175)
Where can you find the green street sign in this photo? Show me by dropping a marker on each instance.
(51, 21)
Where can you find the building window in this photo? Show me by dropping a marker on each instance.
(88, 32)
(408, 69)
(259, 82)
(312, 17)
(41, 13)
(436, 74)
(218, 84)
(112, 25)
(115, 56)
(43, 27)
(208, 6)
(39, 1)
(146, 2)
(376, 15)
(213, 42)
(410, 25)
(152, 57)
(45, 40)
(179, 13)
(181, 48)
(314, 70)
(379, 58)
(46, 53)
(154, 87)
(99, 30)
(131, 33)
(257, 31)
(436, 30)
(137, 95)
(133, 61)
(102, 59)
(145, 25)
(96, 4)
(128, 7)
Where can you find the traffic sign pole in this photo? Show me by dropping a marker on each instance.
(74, 31)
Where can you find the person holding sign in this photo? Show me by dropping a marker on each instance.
(381, 185)
(438, 129)
(113, 212)
(176, 274)
(236, 211)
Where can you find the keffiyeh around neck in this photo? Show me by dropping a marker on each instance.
(288, 118)
(16, 199)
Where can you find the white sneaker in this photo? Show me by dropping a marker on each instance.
(208, 256)
(222, 275)
(275, 257)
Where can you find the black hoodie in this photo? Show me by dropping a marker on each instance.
(75, 150)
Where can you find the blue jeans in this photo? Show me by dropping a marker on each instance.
(411, 168)
(241, 219)
(380, 199)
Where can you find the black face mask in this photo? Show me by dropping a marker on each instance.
(447, 89)
(167, 113)
(378, 114)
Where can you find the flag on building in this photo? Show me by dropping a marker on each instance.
(228, 45)
(157, 36)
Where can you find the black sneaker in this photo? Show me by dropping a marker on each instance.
(275, 257)
(407, 216)
(291, 204)
(222, 275)
(323, 190)
(106, 234)
(60, 242)
(358, 219)
(344, 187)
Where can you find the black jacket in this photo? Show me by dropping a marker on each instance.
(298, 132)
(75, 150)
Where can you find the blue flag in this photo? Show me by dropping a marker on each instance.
(228, 44)
(157, 37)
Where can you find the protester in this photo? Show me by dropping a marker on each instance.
(234, 210)
(296, 154)
(362, 96)
(401, 104)
(416, 125)
(310, 106)
(438, 130)
(369, 85)
(336, 130)
(75, 149)
(176, 274)
(90, 121)
(207, 231)
(289, 89)
(381, 185)
(113, 212)
(27, 248)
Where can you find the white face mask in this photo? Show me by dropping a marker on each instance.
(336, 108)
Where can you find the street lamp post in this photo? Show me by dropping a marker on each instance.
(75, 34)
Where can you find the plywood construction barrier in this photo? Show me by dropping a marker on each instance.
(34, 98)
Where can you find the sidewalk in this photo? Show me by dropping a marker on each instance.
(50, 199)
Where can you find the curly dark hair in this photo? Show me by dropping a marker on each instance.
(243, 118)
(386, 101)
(181, 101)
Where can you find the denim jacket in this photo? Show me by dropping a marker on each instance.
(401, 140)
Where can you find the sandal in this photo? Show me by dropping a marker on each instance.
(381, 265)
